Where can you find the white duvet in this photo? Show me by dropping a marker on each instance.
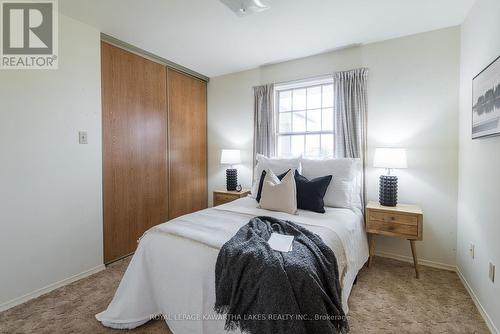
(172, 272)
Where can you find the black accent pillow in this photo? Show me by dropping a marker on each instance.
(261, 183)
(310, 193)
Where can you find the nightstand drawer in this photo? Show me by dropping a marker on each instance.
(224, 198)
(392, 228)
(393, 218)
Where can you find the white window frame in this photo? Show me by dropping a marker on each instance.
(301, 84)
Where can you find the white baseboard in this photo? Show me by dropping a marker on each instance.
(482, 311)
(48, 288)
(420, 261)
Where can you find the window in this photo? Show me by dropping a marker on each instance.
(305, 118)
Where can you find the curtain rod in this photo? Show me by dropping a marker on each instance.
(283, 83)
(143, 53)
(318, 77)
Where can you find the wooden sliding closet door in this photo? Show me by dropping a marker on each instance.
(134, 121)
(187, 143)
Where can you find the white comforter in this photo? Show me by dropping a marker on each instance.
(173, 270)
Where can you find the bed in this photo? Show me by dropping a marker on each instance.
(171, 275)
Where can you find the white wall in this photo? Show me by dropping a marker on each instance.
(479, 165)
(50, 186)
(413, 103)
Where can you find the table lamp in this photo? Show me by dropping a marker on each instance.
(231, 157)
(389, 158)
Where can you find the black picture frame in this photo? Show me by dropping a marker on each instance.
(486, 102)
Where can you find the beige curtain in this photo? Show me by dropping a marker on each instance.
(350, 90)
(264, 124)
(350, 113)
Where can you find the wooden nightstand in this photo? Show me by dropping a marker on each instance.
(225, 196)
(403, 221)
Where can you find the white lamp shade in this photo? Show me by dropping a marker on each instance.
(390, 158)
(230, 157)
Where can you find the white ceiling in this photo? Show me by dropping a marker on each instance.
(205, 36)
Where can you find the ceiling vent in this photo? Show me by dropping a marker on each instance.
(245, 7)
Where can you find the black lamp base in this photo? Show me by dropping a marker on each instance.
(388, 192)
(231, 179)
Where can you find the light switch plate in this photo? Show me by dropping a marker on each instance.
(471, 250)
(492, 272)
(83, 137)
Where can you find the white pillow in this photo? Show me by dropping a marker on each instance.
(340, 192)
(277, 166)
(279, 195)
(357, 189)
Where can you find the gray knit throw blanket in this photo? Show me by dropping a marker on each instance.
(263, 291)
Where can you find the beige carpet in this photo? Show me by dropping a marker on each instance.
(387, 299)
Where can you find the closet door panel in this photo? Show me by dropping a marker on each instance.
(187, 141)
(134, 121)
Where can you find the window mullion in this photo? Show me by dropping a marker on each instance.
(305, 121)
(321, 121)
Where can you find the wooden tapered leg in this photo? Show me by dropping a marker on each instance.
(372, 249)
(415, 261)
